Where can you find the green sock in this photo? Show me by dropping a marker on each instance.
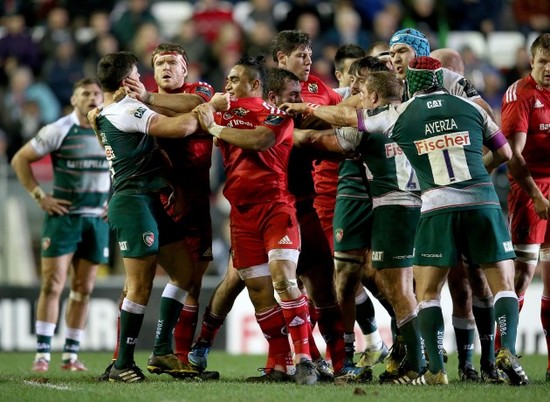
(130, 325)
(430, 320)
(507, 317)
(485, 323)
(43, 344)
(411, 336)
(169, 313)
(464, 333)
(71, 346)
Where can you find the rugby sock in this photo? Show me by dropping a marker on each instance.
(184, 331)
(117, 345)
(364, 315)
(44, 333)
(349, 346)
(72, 344)
(295, 312)
(171, 303)
(273, 325)
(331, 327)
(507, 317)
(312, 320)
(545, 320)
(411, 337)
(484, 314)
(131, 319)
(211, 324)
(430, 320)
(464, 334)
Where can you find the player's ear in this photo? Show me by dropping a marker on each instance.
(338, 75)
(281, 58)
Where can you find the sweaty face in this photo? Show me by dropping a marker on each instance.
(238, 84)
(170, 72)
(291, 92)
(357, 81)
(86, 98)
(298, 62)
(401, 55)
(540, 64)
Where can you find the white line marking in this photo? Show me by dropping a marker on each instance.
(60, 387)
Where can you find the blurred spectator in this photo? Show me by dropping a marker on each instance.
(62, 70)
(99, 26)
(24, 8)
(196, 48)
(83, 9)
(428, 16)
(17, 48)
(478, 71)
(209, 16)
(311, 24)
(25, 106)
(532, 15)
(105, 44)
(258, 40)
(368, 9)
(347, 28)
(260, 11)
(521, 69)
(147, 38)
(475, 15)
(128, 18)
(57, 31)
(384, 25)
(296, 10)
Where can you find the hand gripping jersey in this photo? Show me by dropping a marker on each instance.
(256, 177)
(80, 170)
(135, 161)
(526, 108)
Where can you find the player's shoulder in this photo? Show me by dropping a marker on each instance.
(523, 88)
(63, 124)
(199, 87)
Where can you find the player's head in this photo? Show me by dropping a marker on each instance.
(381, 88)
(86, 96)
(291, 50)
(345, 55)
(169, 62)
(360, 68)
(540, 60)
(282, 86)
(405, 45)
(113, 68)
(424, 74)
(381, 50)
(247, 78)
(449, 58)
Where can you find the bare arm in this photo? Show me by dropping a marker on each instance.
(322, 140)
(520, 172)
(485, 106)
(493, 159)
(338, 115)
(21, 164)
(179, 126)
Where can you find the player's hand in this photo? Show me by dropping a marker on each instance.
(293, 108)
(205, 115)
(54, 206)
(135, 89)
(220, 101)
(173, 201)
(542, 207)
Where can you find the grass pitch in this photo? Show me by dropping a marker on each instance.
(18, 383)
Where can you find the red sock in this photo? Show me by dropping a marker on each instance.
(184, 331)
(312, 315)
(272, 323)
(545, 320)
(331, 327)
(211, 324)
(295, 312)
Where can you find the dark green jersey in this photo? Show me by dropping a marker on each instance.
(352, 180)
(80, 170)
(135, 160)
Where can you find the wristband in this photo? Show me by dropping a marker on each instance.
(38, 194)
(215, 130)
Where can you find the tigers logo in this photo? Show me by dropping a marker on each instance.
(313, 88)
(148, 238)
(339, 235)
(240, 112)
(46, 242)
(109, 154)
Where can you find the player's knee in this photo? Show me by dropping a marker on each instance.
(79, 296)
(348, 263)
(544, 254)
(285, 286)
(527, 253)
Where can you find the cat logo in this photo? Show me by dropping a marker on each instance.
(313, 88)
(140, 111)
(240, 112)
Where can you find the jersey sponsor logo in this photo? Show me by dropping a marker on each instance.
(538, 104)
(123, 245)
(338, 235)
(392, 150)
(439, 126)
(140, 111)
(313, 88)
(544, 127)
(239, 122)
(109, 153)
(87, 164)
(285, 240)
(508, 247)
(148, 238)
(46, 243)
(377, 255)
(433, 104)
(274, 120)
(441, 142)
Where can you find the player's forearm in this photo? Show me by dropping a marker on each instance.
(259, 139)
(520, 173)
(23, 171)
(179, 103)
(338, 115)
(322, 140)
